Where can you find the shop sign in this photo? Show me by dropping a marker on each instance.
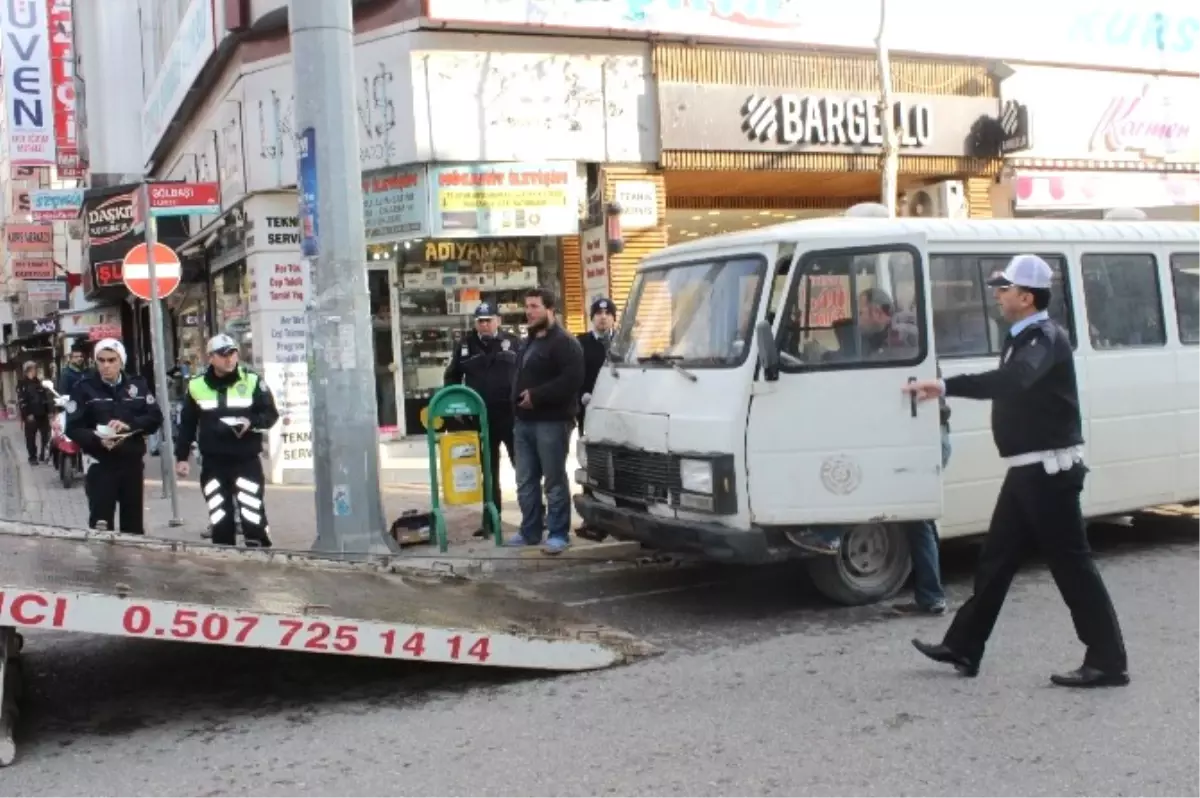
(101, 331)
(1107, 116)
(194, 42)
(27, 328)
(639, 203)
(108, 273)
(62, 72)
(505, 251)
(593, 244)
(395, 205)
(33, 269)
(46, 290)
(744, 119)
(29, 237)
(81, 323)
(1064, 191)
(28, 88)
(1122, 34)
(21, 203)
(1014, 121)
(55, 205)
(505, 199)
(110, 220)
(279, 281)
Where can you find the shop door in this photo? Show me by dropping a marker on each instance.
(385, 339)
(834, 439)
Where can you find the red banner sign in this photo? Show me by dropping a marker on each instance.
(62, 77)
(30, 237)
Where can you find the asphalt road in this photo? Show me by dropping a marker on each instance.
(762, 689)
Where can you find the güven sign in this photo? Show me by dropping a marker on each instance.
(28, 92)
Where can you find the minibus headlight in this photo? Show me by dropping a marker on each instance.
(696, 476)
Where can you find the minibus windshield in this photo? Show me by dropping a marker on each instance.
(699, 314)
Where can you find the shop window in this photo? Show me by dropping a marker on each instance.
(1185, 276)
(231, 307)
(440, 282)
(966, 320)
(1124, 302)
(855, 307)
(385, 357)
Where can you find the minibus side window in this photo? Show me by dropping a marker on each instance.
(1124, 301)
(855, 307)
(1185, 276)
(966, 322)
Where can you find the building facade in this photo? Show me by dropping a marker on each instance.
(495, 136)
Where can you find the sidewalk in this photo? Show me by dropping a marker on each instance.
(37, 496)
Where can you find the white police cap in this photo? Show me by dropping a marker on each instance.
(1024, 271)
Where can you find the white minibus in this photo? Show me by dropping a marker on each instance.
(738, 414)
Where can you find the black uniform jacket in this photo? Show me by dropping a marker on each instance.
(94, 403)
(487, 366)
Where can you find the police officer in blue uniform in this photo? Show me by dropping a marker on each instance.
(109, 415)
(1037, 429)
(485, 360)
(595, 343)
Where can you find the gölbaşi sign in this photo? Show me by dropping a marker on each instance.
(750, 119)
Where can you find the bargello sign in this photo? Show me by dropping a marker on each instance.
(718, 117)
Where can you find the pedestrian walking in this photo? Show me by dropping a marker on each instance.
(35, 404)
(594, 343)
(227, 409)
(74, 371)
(1037, 429)
(485, 360)
(109, 415)
(546, 395)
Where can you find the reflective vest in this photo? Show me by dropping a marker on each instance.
(239, 395)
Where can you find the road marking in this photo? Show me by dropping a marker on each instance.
(642, 594)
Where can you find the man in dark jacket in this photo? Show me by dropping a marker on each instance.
(595, 345)
(109, 415)
(35, 404)
(74, 371)
(546, 394)
(226, 411)
(486, 361)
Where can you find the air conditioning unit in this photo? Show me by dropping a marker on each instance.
(945, 200)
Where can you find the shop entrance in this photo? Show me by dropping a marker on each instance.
(385, 328)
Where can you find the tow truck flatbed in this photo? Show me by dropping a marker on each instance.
(111, 584)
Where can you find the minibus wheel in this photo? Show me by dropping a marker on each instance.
(872, 564)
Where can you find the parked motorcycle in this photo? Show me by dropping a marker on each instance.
(64, 452)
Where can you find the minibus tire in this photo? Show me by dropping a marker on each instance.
(839, 577)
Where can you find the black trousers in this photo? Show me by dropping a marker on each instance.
(500, 431)
(1039, 509)
(230, 487)
(117, 482)
(39, 426)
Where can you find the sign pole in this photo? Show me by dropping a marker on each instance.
(158, 348)
(890, 158)
(345, 432)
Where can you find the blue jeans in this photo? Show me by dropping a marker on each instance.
(923, 546)
(541, 454)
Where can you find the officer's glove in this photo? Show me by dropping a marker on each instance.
(587, 397)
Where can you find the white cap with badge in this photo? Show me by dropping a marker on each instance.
(1024, 271)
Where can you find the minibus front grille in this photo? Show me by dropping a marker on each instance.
(639, 475)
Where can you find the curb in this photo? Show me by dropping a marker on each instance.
(491, 561)
(24, 481)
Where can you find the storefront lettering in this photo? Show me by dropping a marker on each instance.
(283, 223)
(1142, 123)
(476, 251)
(287, 283)
(850, 121)
(1151, 31)
(110, 220)
(457, 178)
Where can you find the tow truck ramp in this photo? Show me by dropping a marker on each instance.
(125, 586)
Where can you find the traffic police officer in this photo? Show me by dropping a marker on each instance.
(226, 411)
(595, 345)
(109, 415)
(595, 349)
(1037, 429)
(486, 361)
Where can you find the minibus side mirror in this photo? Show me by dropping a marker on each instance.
(768, 353)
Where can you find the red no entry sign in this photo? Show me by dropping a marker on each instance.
(136, 271)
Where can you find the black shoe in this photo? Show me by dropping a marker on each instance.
(938, 652)
(913, 608)
(1087, 676)
(480, 533)
(587, 533)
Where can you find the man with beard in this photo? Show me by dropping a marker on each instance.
(74, 371)
(485, 360)
(546, 394)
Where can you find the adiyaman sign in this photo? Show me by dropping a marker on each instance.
(28, 89)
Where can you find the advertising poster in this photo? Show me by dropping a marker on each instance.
(505, 199)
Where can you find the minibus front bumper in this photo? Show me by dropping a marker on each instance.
(708, 540)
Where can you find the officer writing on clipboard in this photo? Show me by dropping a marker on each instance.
(1037, 429)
